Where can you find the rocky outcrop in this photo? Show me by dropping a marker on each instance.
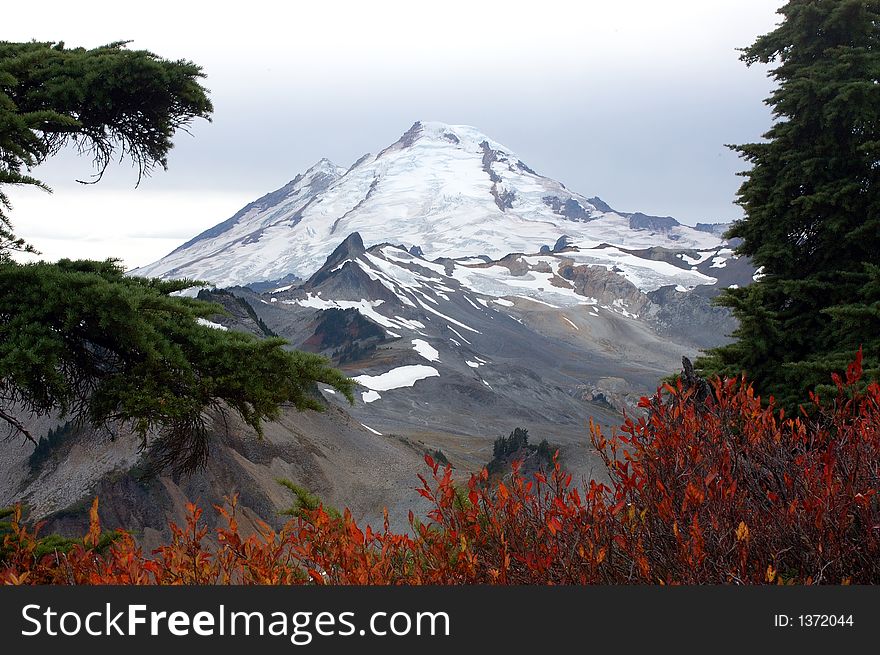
(690, 316)
(606, 286)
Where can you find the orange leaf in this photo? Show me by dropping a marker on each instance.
(94, 534)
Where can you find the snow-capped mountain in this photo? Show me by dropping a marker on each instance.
(465, 292)
(447, 190)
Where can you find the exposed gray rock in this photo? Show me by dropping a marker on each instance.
(640, 221)
(600, 204)
(562, 243)
(690, 316)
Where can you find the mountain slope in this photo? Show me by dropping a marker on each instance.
(475, 347)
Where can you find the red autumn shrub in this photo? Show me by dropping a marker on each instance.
(706, 488)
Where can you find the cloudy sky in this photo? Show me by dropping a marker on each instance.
(631, 100)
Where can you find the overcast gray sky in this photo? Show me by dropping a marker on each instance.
(631, 100)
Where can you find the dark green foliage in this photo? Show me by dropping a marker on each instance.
(109, 349)
(515, 447)
(104, 101)
(545, 452)
(52, 543)
(81, 337)
(54, 439)
(504, 446)
(55, 543)
(304, 501)
(812, 204)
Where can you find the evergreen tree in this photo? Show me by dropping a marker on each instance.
(812, 205)
(80, 336)
(103, 101)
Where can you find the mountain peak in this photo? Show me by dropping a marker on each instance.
(350, 249)
(324, 167)
(352, 246)
(449, 189)
(465, 137)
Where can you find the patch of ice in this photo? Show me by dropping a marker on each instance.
(502, 302)
(370, 396)
(568, 320)
(372, 430)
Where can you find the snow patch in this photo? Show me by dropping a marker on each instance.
(370, 396)
(426, 350)
(471, 302)
(402, 376)
(451, 320)
(458, 334)
(366, 308)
